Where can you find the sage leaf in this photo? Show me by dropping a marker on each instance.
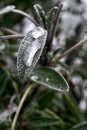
(49, 78)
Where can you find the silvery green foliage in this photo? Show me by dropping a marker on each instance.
(29, 51)
(41, 16)
(6, 9)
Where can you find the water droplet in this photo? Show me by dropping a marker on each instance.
(34, 77)
(47, 79)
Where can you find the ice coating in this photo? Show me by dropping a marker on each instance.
(30, 51)
(30, 54)
(37, 33)
(34, 47)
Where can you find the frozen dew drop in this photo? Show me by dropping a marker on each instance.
(34, 77)
(47, 79)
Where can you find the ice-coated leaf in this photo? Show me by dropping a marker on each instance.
(44, 121)
(81, 126)
(50, 78)
(29, 51)
(6, 9)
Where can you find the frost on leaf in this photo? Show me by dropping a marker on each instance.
(29, 51)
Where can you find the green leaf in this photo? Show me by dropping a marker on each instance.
(49, 78)
(81, 126)
(3, 86)
(30, 51)
(45, 99)
(44, 121)
(73, 107)
(5, 126)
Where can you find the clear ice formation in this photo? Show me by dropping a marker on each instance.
(30, 50)
(35, 46)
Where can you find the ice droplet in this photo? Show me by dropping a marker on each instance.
(47, 79)
(34, 77)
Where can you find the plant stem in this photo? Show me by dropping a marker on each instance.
(12, 36)
(68, 52)
(8, 30)
(24, 14)
(21, 104)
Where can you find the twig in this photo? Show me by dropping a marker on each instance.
(20, 105)
(68, 52)
(8, 30)
(24, 14)
(12, 36)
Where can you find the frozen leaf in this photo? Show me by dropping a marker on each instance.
(50, 78)
(29, 51)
